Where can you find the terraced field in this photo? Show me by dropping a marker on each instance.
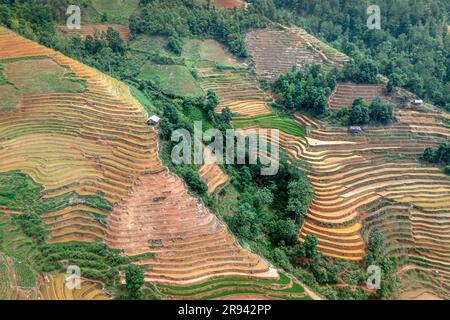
(92, 29)
(239, 289)
(188, 248)
(96, 143)
(345, 93)
(211, 173)
(54, 288)
(374, 181)
(236, 88)
(276, 51)
(74, 141)
(17, 254)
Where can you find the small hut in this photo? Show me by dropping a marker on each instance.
(153, 121)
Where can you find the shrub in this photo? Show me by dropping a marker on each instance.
(134, 276)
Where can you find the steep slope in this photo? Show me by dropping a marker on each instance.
(276, 51)
(90, 143)
(373, 181)
(96, 142)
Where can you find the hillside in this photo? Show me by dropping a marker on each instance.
(95, 143)
(363, 166)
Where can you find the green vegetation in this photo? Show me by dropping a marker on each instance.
(24, 275)
(19, 193)
(190, 18)
(5, 283)
(22, 254)
(26, 76)
(157, 48)
(272, 121)
(172, 79)
(283, 288)
(411, 48)
(134, 278)
(3, 79)
(115, 10)
(376, 256)
(143, 100)
(305, 89)
(441, 156)
(205, 51)
(361, 70)
(376, 112)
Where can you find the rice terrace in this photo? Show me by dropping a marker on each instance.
(93, 205)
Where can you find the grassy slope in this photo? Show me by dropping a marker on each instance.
(22, 251)
(273, 121)
(27, 76)
(116, 10)
(173, 79)
(284, 288)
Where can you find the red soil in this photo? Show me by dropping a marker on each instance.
(189, 242)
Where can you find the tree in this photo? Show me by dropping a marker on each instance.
(174, 44)
(300, 196)
(361, 70)
(305, 89)
(283, 232)
(134, 276)
(114, 40)
(226, 115)
(360, 113)
(245, 221)
(310, 246)
(381, 112)
(263, 197)
(428, 155)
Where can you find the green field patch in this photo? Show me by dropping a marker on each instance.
(195, 50)
(119, 10)
(26, 76)
(24, 275)
(271, 121)
(172, 79)
(284, 280)
(155, 47)
(282, 288)
(195, 113)
(21, 252)
(5, 280)
(3, 79)
(143, 100)
(149, 44)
